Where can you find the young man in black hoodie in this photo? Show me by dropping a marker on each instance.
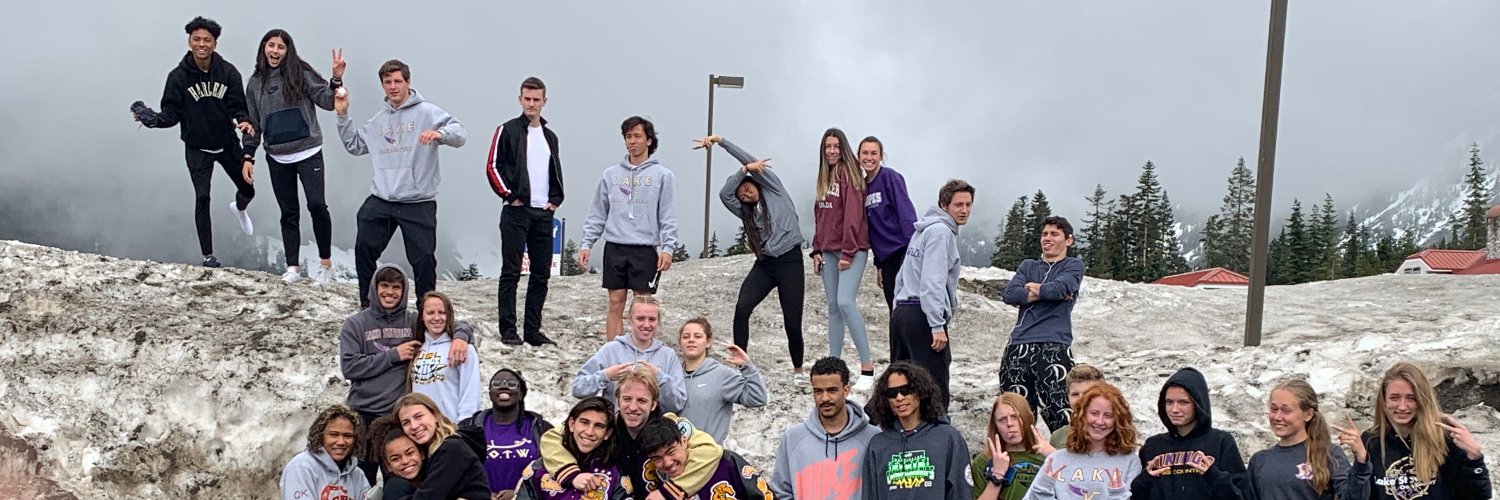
(525, 173)
(204, 93)
(1192, 460)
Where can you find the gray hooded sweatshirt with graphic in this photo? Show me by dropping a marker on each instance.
(284, 126)
(930, 272)
(406, 171)
(634, 205)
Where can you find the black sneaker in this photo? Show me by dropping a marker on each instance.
(210, 261)
(538, 339)
(510, 338)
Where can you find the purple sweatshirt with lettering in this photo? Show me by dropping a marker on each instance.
(889, 211)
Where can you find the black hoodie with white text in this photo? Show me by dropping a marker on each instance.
(1224, 480)
(206, 103)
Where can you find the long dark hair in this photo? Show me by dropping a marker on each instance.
(747, 218)
(294, 83)
(927, 391)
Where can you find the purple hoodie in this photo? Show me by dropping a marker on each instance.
(889, 212)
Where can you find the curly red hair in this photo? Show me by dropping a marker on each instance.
(1119, 442)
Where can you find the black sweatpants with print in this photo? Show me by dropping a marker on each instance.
(1039, 371)
(376, 222)
(785, 274)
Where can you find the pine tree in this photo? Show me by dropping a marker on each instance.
(1324, 234)
(1230, 245)
(713, 247)
(1010, 244)
(569, 262)
(1091, 242)
(1353, 248)
(1278, 261)
(1298, 247)
(1470, 227)
(680, 253)
(1039, 211)
(1210, 243)
(469, 273)
(1115, 259)
(1149, 218)
(740, 247)
(1170, 251)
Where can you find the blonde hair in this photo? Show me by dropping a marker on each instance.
(1023, 413)
(1429, 447)
(847, 171)
(445, 427)
(1319, 440)
(644, 375)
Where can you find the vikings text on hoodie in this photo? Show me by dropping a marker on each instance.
(712, 391)
(1224, 480)
(314, 474)
(367, 350)
(785, 231)
(406, 171)
(207, 103)
(590, 379)
(930, 272)
(634, 205)
(815, 465)
(930, 462)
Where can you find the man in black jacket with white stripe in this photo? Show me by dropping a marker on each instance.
(524, 171)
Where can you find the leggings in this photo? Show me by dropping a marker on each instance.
(783, 273)
(842, 287)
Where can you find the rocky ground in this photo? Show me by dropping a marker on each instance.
(133, 379)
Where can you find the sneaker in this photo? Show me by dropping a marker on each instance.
(243, 217)
(292, 275)
(324, 276)
(510, 338)
(538, 339)
(865, 383)
(210, 261)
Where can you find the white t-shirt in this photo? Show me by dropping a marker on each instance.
(538, 159)
(290, 158)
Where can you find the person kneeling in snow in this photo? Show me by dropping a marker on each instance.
(666, 445)
(327, 468)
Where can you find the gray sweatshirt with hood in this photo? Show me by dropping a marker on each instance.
(591, 381)
(713, 390)
(406, 171)
(634, 205)
(930, 272)
(784, 233)
(314, 474)
(812, 464)
(367, 350)
(285, 126)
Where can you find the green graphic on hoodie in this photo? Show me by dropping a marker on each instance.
(909, 470)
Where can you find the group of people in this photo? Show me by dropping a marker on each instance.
(650, 420)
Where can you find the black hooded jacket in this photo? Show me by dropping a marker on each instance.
(207, 103)
(1394, 476)
(1225, 479)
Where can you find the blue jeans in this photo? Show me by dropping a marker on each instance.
(841, 288)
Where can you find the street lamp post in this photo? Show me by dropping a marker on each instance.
(714, 81)
(1265, 167)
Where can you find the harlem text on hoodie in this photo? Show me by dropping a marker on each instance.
(206, 103)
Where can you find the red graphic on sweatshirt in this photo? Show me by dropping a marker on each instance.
(836, 477)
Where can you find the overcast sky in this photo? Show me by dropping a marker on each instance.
(1012, 96)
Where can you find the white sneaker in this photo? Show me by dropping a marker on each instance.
(323, 276)
(243, 217)
(292, 275)
(865, 383)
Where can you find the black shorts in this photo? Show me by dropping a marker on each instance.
(630, 267)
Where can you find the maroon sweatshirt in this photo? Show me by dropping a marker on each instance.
(839, 220)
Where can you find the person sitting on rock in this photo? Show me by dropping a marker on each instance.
(505, 435)
(451, 470)
(712, 387)
(587, 436)
(601, 373)
(455, 386)
(327, 468)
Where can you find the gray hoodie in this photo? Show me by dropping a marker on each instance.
(785, 233)
(634, 205)
(367, 354)
(590, 379)
(287, 127)
(812, 464)
(713, 390)
(406, 171)
(314, 474)
(930, 272)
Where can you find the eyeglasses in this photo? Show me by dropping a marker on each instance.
(905, 390)
(505, 383)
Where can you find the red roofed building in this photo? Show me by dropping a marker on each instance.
(1216, 277)
(1487, 261)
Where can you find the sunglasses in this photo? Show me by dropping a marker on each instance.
(905, 390)
(511, 384)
